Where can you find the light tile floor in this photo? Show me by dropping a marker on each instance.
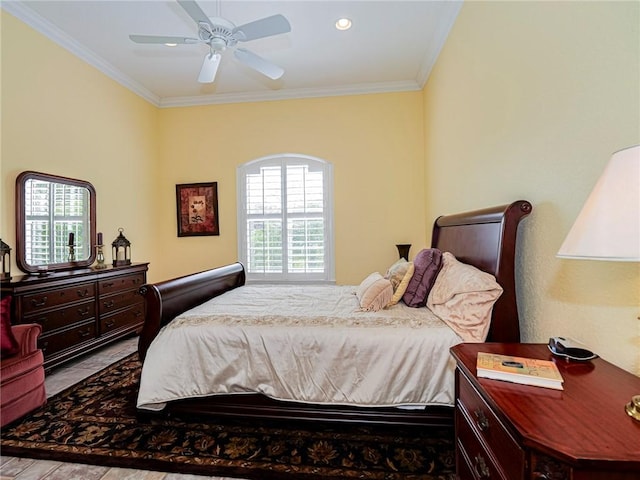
(13, 468)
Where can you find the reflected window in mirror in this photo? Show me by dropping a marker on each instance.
(54, 214)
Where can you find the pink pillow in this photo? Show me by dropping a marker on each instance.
(463, 297)
(8, 343)
(426, 266)
(374, 293)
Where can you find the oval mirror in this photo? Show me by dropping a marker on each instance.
(55, 222)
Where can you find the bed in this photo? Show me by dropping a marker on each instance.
(485, 239)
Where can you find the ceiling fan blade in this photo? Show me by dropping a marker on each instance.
(265, 27)
(163, 39)
(209, 67)
(195, 12)
(258, 63)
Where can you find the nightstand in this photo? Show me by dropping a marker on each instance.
(508, 431)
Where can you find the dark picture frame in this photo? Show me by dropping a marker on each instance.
(197, 207)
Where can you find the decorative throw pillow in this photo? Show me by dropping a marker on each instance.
(8, 343)
(399, 274)
(463, 298)
(427, 264)
(374, 293)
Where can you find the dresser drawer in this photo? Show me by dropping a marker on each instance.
(38, 302)
(492, 432)
(64, 339)
(124, 282)
(117, 301)
(125, 318)
(63, 316)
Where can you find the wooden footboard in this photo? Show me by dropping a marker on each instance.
(168, 299)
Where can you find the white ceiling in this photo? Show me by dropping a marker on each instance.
(392, 46)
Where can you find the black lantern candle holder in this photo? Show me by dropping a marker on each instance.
(121, 250)
(5, 251)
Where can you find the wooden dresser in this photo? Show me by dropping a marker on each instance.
(79, 310)
(506, 431)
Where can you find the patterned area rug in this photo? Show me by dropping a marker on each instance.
(95, 422)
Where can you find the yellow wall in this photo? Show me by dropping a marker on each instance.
(63, 117)
(527, 100)
(530, 99)
(374, 142)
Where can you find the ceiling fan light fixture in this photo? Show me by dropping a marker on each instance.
(209, 67)
(220, 34)
(343, 24)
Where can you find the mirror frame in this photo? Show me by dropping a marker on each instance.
(21, 218)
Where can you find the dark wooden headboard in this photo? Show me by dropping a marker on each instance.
(486, 239)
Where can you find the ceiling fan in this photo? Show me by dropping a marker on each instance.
(219, 34)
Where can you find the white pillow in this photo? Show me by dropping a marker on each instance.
(374, 293)
(463, 297)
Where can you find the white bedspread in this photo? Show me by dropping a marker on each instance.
(305, 344)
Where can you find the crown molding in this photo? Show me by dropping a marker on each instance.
(290, 94)
(449, 14)
(46, 28)
(53, 33)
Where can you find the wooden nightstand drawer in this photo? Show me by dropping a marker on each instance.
(490, 430)
(475, 462)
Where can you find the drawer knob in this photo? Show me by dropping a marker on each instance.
(109, 304)
(39, 303)
(84, 333)
(83, 293)
(480, 466)
(481, 420)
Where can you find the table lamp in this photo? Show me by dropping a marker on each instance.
(608, 226)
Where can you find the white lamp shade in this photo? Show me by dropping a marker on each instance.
(608, 226)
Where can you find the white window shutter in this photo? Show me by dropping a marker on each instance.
(285, 219)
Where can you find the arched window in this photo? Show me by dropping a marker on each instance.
(285, 218)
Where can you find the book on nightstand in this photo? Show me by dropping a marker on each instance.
(526, 371)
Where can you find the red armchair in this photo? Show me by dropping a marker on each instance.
(22, 376)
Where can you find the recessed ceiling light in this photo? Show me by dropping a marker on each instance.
(171, 44)
(343, 24)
